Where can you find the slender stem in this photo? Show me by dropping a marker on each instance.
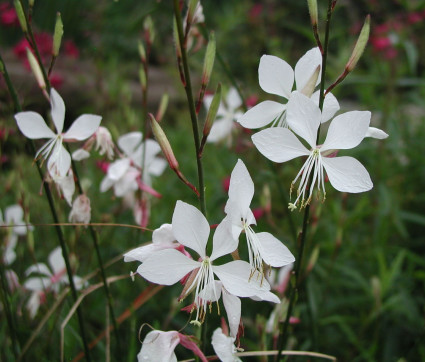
(95, 239)
(192, 109)
(303, 235)
(4, 290)
(58, 229)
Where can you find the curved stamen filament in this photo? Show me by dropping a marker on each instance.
(280, 120)
(254, 251)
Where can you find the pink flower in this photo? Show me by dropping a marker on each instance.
(71, 49)
(8, 15)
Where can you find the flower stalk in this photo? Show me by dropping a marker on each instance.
(303, 234)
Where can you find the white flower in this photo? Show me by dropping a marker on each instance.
(14, 219)
(49, 279)
(227, 113)
(346, 131)
(103, 144)
(277, 77)
(33, 126)
(262, 246)
(124, 173)
(224, 346)
(81, 210)
(192, 230)
(159, 346)
(65, 185)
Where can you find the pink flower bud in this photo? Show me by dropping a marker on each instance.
(81, 210)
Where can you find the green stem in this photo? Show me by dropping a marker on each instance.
(59, 233)
(95, 239)
(192, 109)
(303, 235)
(7, 307)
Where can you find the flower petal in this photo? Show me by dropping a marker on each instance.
(166, 267)
(80, 154)
(376, 133)
(129, 142)
(330, 105)
(224, 347)
(279, 144)
(306, 66)
(159, 346)
(117, 169)
(58, 110)
(220, 129)
(236, 278)
(232, 304)
(347, 130)
(303, 117)
(83, 127)
(275, 76)
(163, 235)
(262, 114)
(190, 227)
(223, 241)
(266, 296)
(233, 100)
(33, 126)
(273, 252)
(56, 260)
(39, 268)
(59, 161)
(346, 174)
(241, 188)
(37, 284)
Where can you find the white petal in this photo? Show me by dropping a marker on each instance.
(56, 260)
(346, 174)
(141, 253)
(262, 114)
(159, 346)
(275, 76)
(37, 284)
(306, 66)
(233, 99)
(152, 149)
(223, 346)
(80, 155)
(232, 304)
(223, 241)
(235, 277)
(267, 297)
(166, 267)
(303, 117)
(83, 127)
(347, 130)
(67, 186)
(106, 184)
(156, 167)
(9, 254)
(58, 110)
(59, 161)
(163, 235)
(117, 169)
(220, 130)
(330, 105)
(273, 252)
(190, 227)
(14, 214)
(376, 133)
(129, 142)
(279, 144)
(241, 188)
(33, 126)
(211, 292)
(39, 268)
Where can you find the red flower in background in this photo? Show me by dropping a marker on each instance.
(8, 15)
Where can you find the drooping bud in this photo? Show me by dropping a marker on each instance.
(162, 107)
(21, 15)
(57, 36)
(311, 84)
(142, 51)
(81, 210)
(209, 120)
(207, 70)
(168, 151)
(360, 45)
(35, 67)
(312, 9)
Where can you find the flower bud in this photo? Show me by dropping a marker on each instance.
(81, 210)
(57, 36)
(21, 15)
(142, 77)
(360, 45)
(162, 107)
(209, 59)
(163, 143)
(104, 143)
(31, 3)
(142, 51)
(312, 9)
(212, 112)
(149, 30)
(35, 67)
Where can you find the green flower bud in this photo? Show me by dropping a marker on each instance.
(360, 45)
(57, 36)
(21, 15)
